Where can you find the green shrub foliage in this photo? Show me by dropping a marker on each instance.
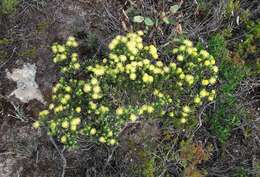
(133, 83)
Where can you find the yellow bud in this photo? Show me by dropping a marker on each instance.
(146, 61)
(78, 109)
(36, 124)
(54, 49)
(212, 80)
(92, 105)
(110, 134)
(65, 124)
(63, 139)
(112, 141)
(87, 88)
(76, 66)
(205, 82)
(96, 89)
(182, 48)
(159, 63)
(75, 121)
(94, 81)
(95, 96)
(150, 109)
(203, 93)
(197, 100)
(61, 49)
(93, 131)
(207, 63)
(182, 76)
(211, 98)
(173, 66)
(180, 58)
(183, 120)
(186, 109)
(102, 139)
(132, 76)
(140, 33)
(73, 127)
(68, 89)
(174, 51)
(51, 106)
(188, 43)
(215, 69)
(133, 117)
(204, 53)
(119, 111)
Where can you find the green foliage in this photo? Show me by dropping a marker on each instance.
(5, 42)
(227, 114)
(8, 6)
(133, 83)
(148, 164)
(203, 5)
(3, 52)
(231, 7)
(249, 45)
(163, 18)
(218, 47)
(29, 53)
(240, 172)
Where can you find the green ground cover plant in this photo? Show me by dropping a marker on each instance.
(228, 112)
(8, 7)
(133, 83)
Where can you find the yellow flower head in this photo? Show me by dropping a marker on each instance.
(212, 80)
(112, 141)
(102, 139)
(197, 100)
(92, 105)
(147, 78)
(119, 111)
(133, 117)
(207, 63)
(215, 69)
(132, 76)
(183, 120)
(96, 89)
(75, 121)
(188, 43)
(65, 124)
(180, 58)
(78, 109)
(87, 88)
(150, 109)
(63, 139)
(204, 53)
(205, 82)
(204, 93)
(186, 109)
(36, 124)
(93, 131)
(94, 81)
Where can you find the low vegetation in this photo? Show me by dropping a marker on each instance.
(133, 88)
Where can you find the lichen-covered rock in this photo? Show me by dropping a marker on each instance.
(27, 88)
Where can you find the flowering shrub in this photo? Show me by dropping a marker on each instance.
(134, 82)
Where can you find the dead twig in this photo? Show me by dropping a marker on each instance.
(61, 155)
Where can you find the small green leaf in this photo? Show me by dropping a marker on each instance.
(174, 8)
(148, 21)
(138, 19)
(168, 21)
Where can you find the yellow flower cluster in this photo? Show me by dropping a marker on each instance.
(133, 82)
